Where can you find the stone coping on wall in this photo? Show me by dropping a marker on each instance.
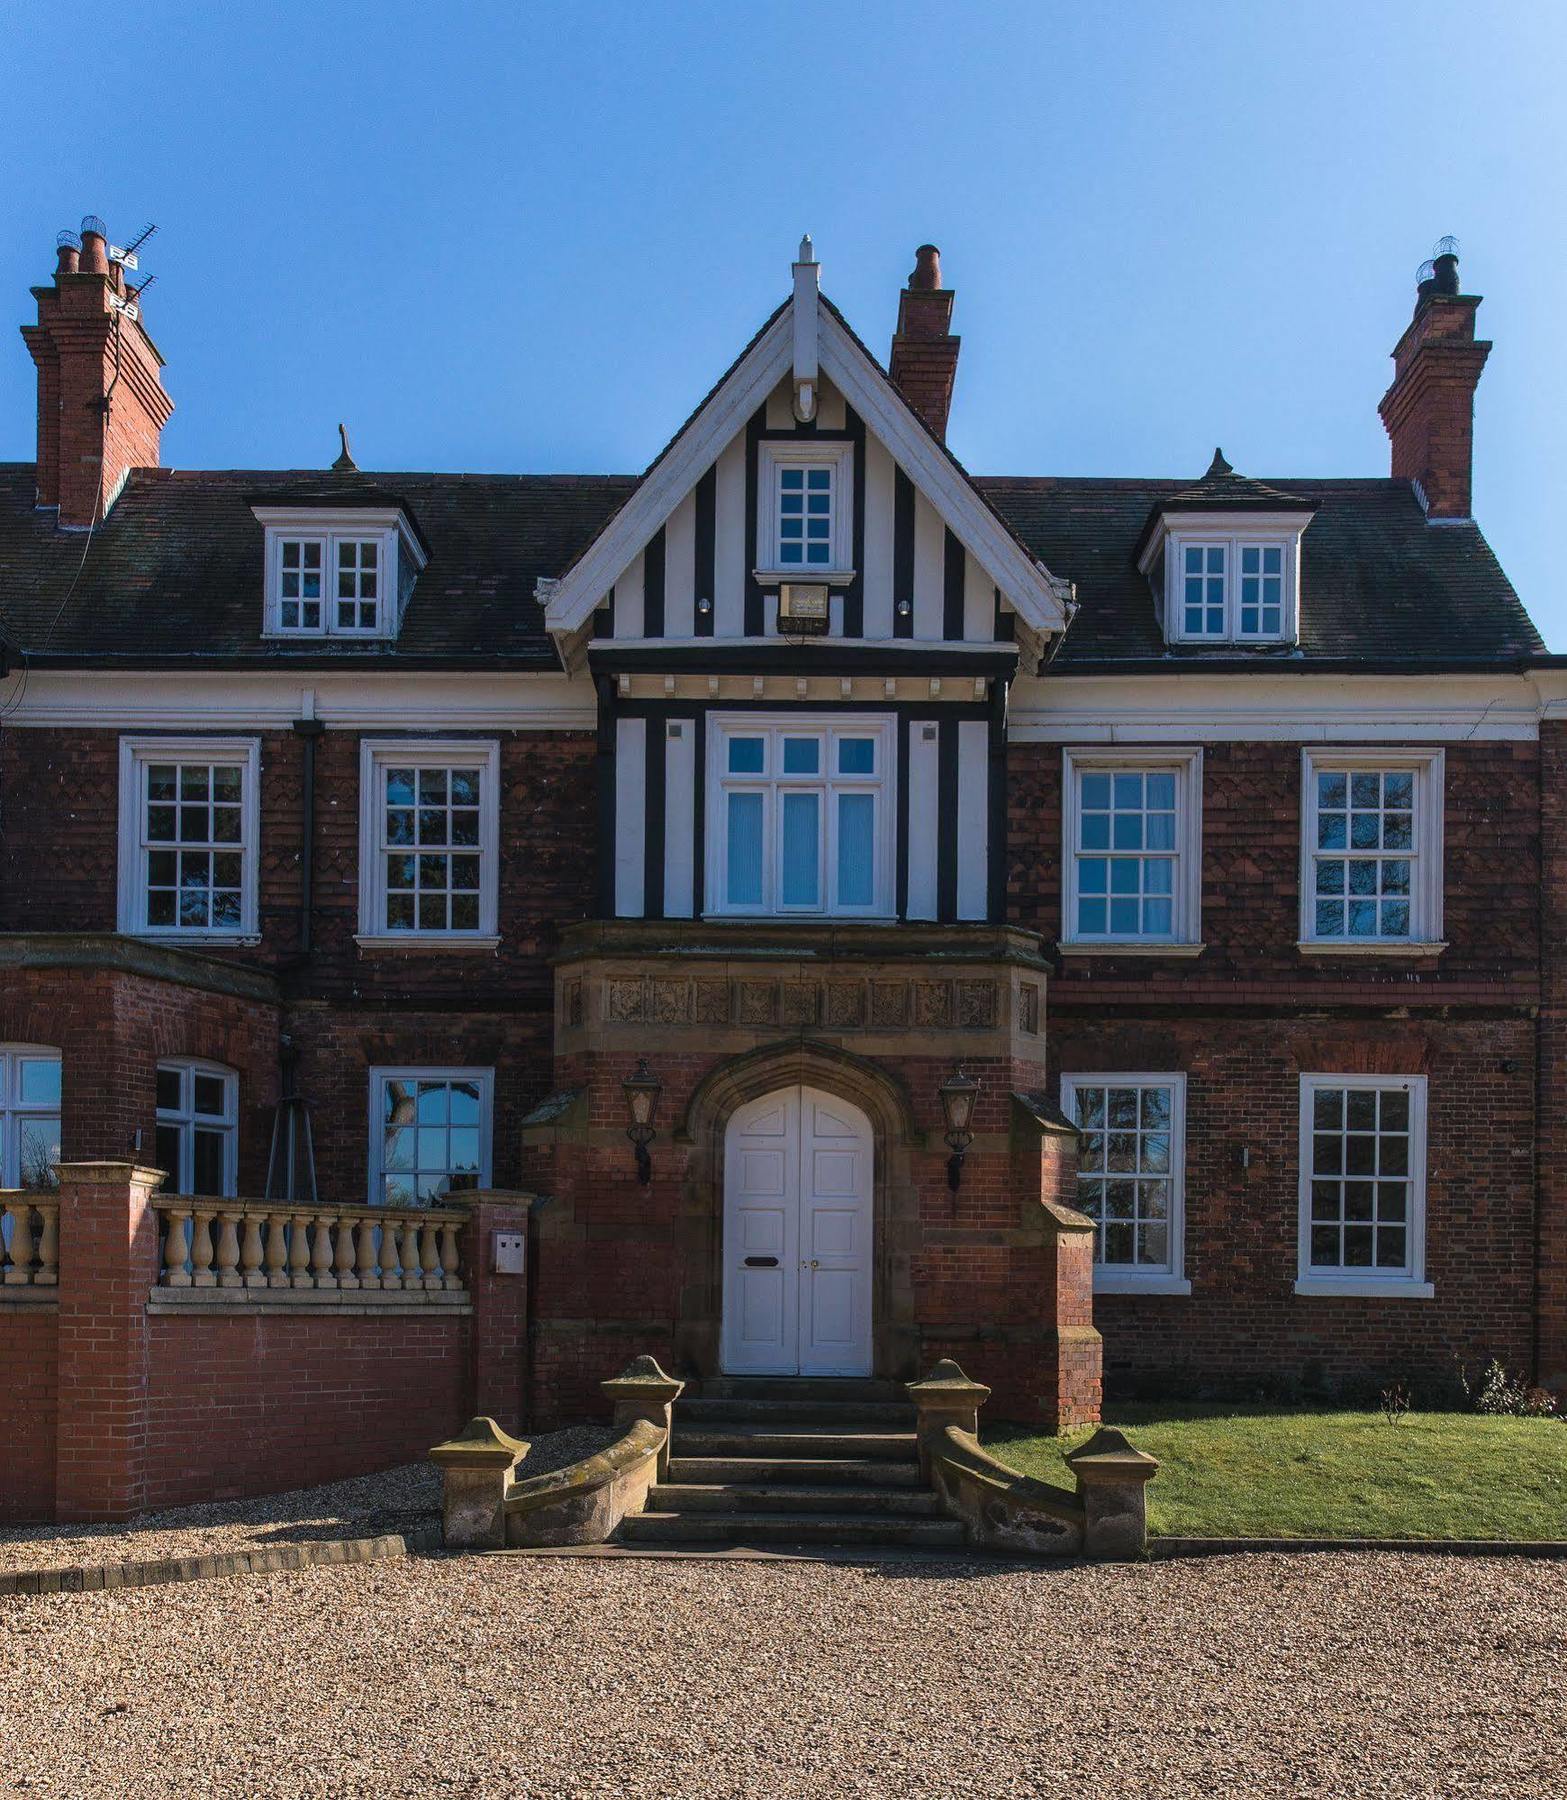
(311, 1302)
(791, 940)
(110, 952)
(92, 1578)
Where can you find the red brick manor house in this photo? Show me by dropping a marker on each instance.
(803, 911)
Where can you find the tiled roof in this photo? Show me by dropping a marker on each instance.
(176, 570)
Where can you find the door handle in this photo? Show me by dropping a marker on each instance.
(809, 1265)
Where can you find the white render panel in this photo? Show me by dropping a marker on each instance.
(729, 569)
(628, 600)
(879, 471)
(924, 806)
(930, 554)
(979, 602)
(630, 815)
(680, 570)
(831, 414)
(780, 408)
(679, 818)
(973, 820)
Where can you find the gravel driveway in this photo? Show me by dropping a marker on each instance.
(1260, 1675)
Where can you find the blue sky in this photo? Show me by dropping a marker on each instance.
(528, 237)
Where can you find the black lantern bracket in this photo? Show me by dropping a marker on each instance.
(642, 1089)
(958, 1095)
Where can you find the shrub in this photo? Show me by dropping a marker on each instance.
(1497, 1391)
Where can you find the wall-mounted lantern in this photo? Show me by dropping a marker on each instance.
(958, 1094)
(642, 1090)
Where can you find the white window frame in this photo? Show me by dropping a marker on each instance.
(1232, 533)
(185, 1119)
(1426, 875)
(483, 1079)
(376, 755)
(720, 783)
(1185, 764)
(13, 1108)
(1373, 1284)
(1123, 1279)
(773, 456)
(400, 558)
(136, 753)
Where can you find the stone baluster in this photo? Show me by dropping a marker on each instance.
(201, 1248)
(49, 1246)
(21, 1265)
(299, 1250)
(429, 1255)
(277, 1250)
(369, 1269)
(408, 1255)
(450, 1263)
(343, 1267)
(250, 1252)
(228, 1250)
(389, 1236)
(174, 1248)
(321, 1257)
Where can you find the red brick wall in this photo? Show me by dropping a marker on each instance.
(1551, 1147)
(29, 1372)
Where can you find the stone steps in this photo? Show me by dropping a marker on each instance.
(852, 1415)
(718, 1471)
(827, 1530)
(795, 1387)
(779, 1497)
(737, 1438)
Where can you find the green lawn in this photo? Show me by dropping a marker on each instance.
(1242, 1471)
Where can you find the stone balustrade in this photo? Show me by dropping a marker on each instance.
(29, 1240)
(262, 1244)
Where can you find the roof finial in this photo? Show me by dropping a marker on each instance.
(1218, 466)
(345, 457)
(807, 250)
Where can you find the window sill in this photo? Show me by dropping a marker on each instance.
(1128, 1281)
(233, 939)
(1345, 1287)
(1129, 947)
(799, 918)
(413, 940)
(804, 577)
(1370, 947)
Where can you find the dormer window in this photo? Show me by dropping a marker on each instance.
(345, 575)
(804, 524)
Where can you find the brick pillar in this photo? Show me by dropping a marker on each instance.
(108, 1264)
(1551, 1129)
(500, 1308)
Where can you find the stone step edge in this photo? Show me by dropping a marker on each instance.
(93, 1578)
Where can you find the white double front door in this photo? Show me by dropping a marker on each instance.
(797, 1237)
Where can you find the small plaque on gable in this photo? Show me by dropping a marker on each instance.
(802, 609)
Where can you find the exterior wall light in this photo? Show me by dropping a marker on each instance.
(958, 1094)
(642, 1090)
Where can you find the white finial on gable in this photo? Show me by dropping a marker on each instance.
(807, 284)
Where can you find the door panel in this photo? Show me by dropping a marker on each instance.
(797, 1269)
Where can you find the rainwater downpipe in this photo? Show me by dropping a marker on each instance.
(307, 731)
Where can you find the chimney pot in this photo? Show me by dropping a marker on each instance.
(927, 267)
(68, 253)
(95, 246)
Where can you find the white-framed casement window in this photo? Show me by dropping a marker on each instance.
(1363, 1186)
(29, 1115)
(1132, 850)
(198, 1127)
(805, 505)
(189, 828)
(800, 816)
(1130, 1182)
(429, 1134)
(1371, 852)
(337, 573)
(428, 840)
(1227, 583)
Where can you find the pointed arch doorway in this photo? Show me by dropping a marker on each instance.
(797, 1251)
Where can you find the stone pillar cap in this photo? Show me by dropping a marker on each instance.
(481, 1444)
(643, 1379)
(947, 1382)
(1109, 1452)
(108, 1172)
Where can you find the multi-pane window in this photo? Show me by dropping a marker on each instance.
(805, 516)
(1129, 1171)
(29, 1116)
(1262, 590)
(1372, 865)
(430, 839)
(801, 818)
(1131, 842)
(1202, 589)
(430, 1133)
(299, 583)
(187, 844)
(358, 583)
(1362, 1160)
(197, 1127)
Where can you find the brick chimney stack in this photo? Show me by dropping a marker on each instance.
(924, 351)
(1429, 409)
(101, 404)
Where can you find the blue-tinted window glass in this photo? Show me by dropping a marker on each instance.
(801, 850)
(746, 755)
(856, 849)
(802, 756)
(856, 756)
(744, 887)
